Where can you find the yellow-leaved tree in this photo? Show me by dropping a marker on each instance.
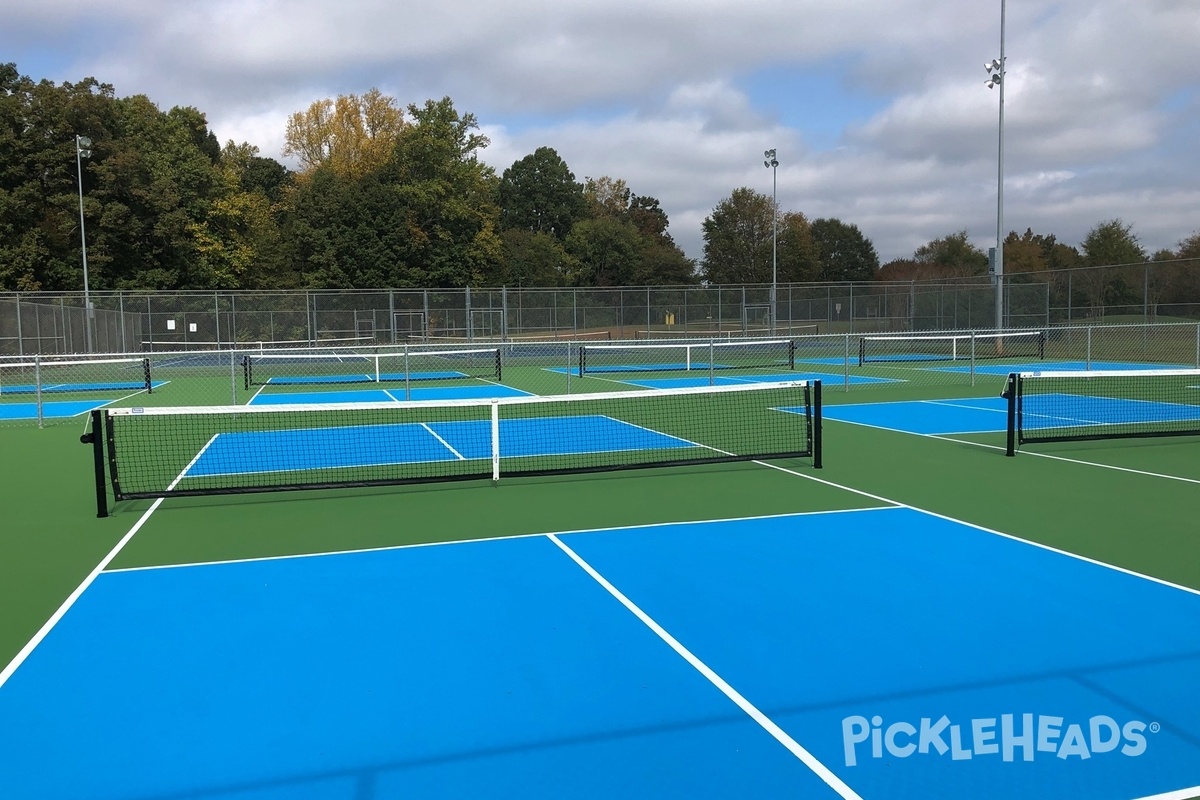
(352, 135)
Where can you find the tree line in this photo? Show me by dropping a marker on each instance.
(396, 196)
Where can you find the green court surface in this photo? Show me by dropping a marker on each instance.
(1133, 504)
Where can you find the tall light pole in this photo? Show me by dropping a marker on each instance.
(83, 150)
(996, 68)
(772, 162)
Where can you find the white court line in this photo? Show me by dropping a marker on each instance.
(946, 437)
(501, 538)
(446, 444)
(1009, 536)
(256, 394)
(957, 404)
(44, 631)
(752, 711)
(110, 402)
(1178, 794)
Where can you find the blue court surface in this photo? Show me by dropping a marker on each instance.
(849, 654)
(388, 395)
(990, 414)
(51, 409)
(98, 386)
(416, 443)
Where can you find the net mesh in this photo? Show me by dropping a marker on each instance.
(952, 347)
(66, 376)
(298, 369)
(771, 354)
(159, 452)
(1066, 406)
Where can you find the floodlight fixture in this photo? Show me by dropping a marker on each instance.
(772, 163)
(996, 69)
(83, 149)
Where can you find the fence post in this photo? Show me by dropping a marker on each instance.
(846, 364)
(392, 313)
(972, 357)
(20, 334)
(504, 313)
(850, 314)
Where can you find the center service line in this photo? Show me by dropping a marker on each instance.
(765, 722)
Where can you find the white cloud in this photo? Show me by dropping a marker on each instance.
(1100, 95)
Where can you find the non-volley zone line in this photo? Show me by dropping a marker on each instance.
(340, 447)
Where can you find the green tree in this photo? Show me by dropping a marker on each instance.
(844, 253)
(797, 257)
(1112, 243)
(154, 185)
(1108, 249)
(739, 238)
(607, 250)
(663, 263)
(39, 205)
(239, 241)
(425, 218)
(538, 193)
(954, 254)
(536, 259)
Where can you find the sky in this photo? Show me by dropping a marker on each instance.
(877, 109)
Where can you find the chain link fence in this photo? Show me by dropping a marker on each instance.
(62, 388)
(132, 322)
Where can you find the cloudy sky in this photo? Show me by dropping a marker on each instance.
(877, 108)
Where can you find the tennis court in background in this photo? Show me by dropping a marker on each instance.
(921, 617)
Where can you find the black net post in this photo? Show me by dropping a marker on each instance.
(95, 437)
(146, 374)
(1010, 394)
(816, 424)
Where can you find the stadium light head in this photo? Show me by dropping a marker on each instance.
(84, 144)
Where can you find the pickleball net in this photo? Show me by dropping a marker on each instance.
(1082, 405)
(214, 450)
(50, 374)
(951, 347)
(298, 369)
(762, 354)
